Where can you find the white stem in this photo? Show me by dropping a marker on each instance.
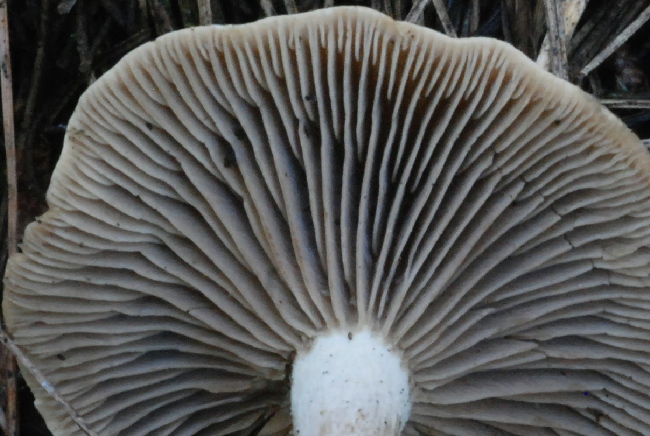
(349, 385)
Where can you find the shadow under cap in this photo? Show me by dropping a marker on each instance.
(227, 194)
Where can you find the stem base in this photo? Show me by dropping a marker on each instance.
(349, 385)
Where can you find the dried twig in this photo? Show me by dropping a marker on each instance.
(418, 8)
(398, 10)
(586, 31)
(114, 10)
(11, 419)
(571, 11)
(65, 6)
(205, 12)
(40, 378)
(143, 7)
(9, 134)
(291, 6)
(443, 15)
(596, 85)
(557, 38)
(161, 20)
(618, 42)
(217, 11)
(82, 42)
(34, 84)
(185, 11)
(3, 422)
(626, 103)
(101, 36)
(267, 7)
(476, 16)
(383, 6)
(415, 14)
(605, 24)
(8, 362)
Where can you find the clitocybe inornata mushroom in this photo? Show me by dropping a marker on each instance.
(336, 224)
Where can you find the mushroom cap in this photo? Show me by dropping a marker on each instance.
(227, 194)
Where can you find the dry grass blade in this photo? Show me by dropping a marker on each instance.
(7, 362)
(617, 42)
(557, 38)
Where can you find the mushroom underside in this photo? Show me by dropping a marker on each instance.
(228, 195)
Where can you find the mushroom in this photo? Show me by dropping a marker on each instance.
(337, 224)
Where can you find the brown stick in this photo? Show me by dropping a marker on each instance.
(9, 363)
